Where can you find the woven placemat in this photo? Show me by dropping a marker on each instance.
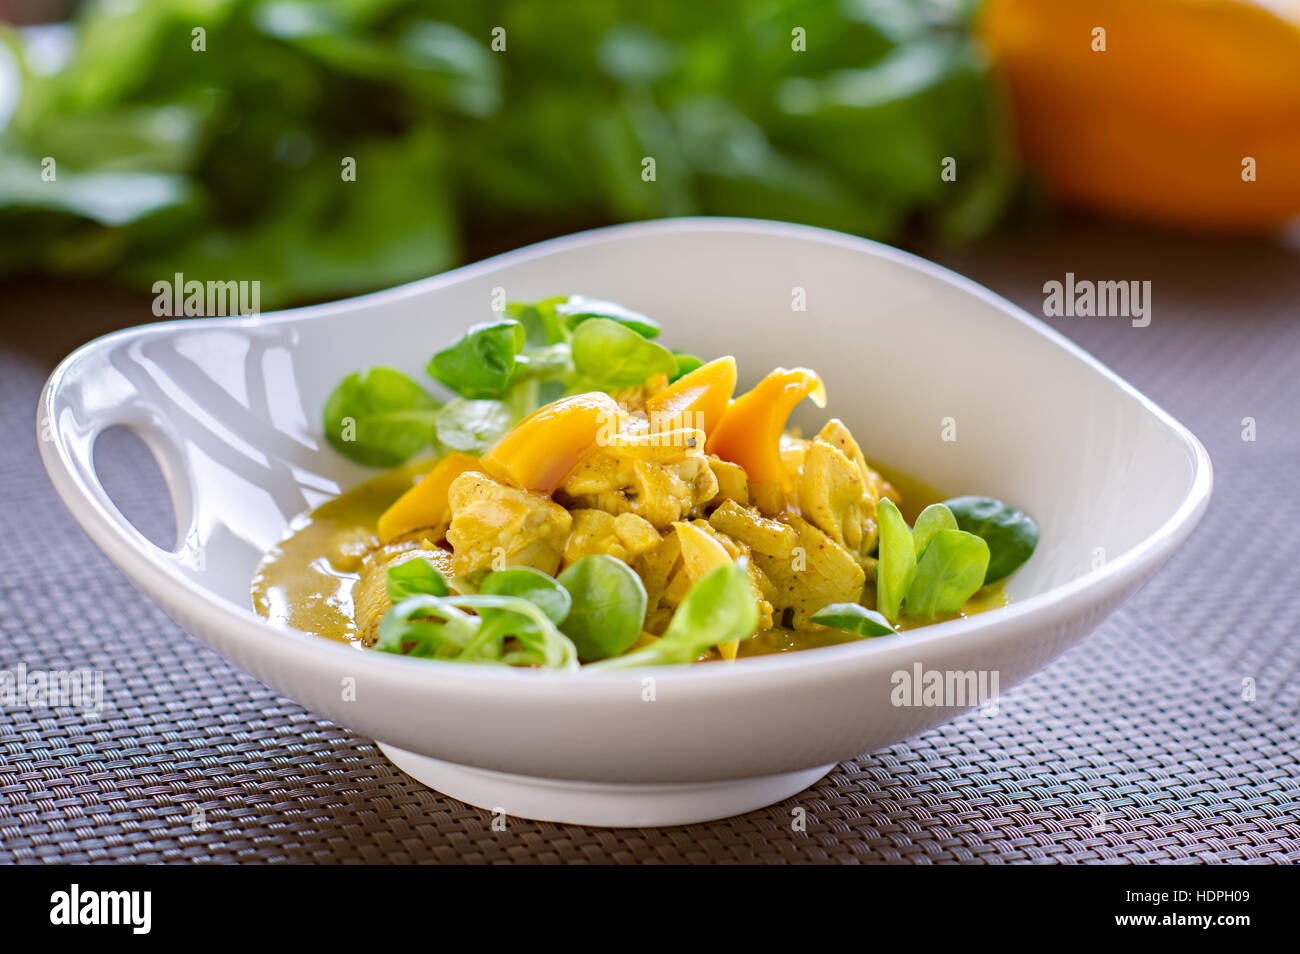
(1135, 746)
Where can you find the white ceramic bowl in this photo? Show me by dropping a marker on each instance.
(231, 408)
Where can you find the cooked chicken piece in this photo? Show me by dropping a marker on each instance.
(636, 534)
(817, 571)
(370, 597)
(837, 435)
(765, 586)
(735, 548)
(659, 476)
(835, 497)
(678, 585)
(761, 534)
(704, 549)
(594, 531)
(739, 549)
(759, 582)
(657, 619)
(495, 525)
(701, 552)
(733, 482)
(662, 568)
(654, 567)
(838, 491)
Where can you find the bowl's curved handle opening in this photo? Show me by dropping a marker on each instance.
(87, 395)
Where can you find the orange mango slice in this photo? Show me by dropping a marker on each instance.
(538, 452)
(749, 433)
(425, 504)
(695, 400)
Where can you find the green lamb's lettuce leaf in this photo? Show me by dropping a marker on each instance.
(415, 577)
(480, 363)
(429, 626)
(107, 198)
(948, 574)
(609, 605)
(930, 521)
(544, 592)
(463, 136)
(472, 426)
(896, 566)
(524, 583)
(1011, 534)
(610, 355)
(547, 362)
(719, 608)
(853, 618)
(510, 621)
(577, 309)
(542, 326)
(379, 417)
(686, 363)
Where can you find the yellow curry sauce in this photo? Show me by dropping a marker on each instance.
(307, 582)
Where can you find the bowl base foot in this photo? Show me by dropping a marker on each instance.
(600, 804)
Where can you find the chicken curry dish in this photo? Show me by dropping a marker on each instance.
(590, 498)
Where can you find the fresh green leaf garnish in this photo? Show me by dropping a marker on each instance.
(541, 376)
(519, 604)
(609, 605)
(455, 147)
(578, 309)
(497, 624)
(542, 326)
(379, 417)
(425, 625)
(853, 618)
(1011, 534)
(686, 363)
(472, 426)
(930, 521)
(545, 362)
(896, 566)
(439, 627)
(720, 607)
(481, 362)
(500, 380)
(950, 571)
(608, 355)
(413, 577)
(541, 590)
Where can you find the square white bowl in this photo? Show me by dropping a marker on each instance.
(231, 408)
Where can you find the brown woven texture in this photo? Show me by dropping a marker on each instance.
(1136, 746)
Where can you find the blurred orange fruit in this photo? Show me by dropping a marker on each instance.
(1187, 100)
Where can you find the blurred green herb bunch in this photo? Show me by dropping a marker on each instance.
(328, 148)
